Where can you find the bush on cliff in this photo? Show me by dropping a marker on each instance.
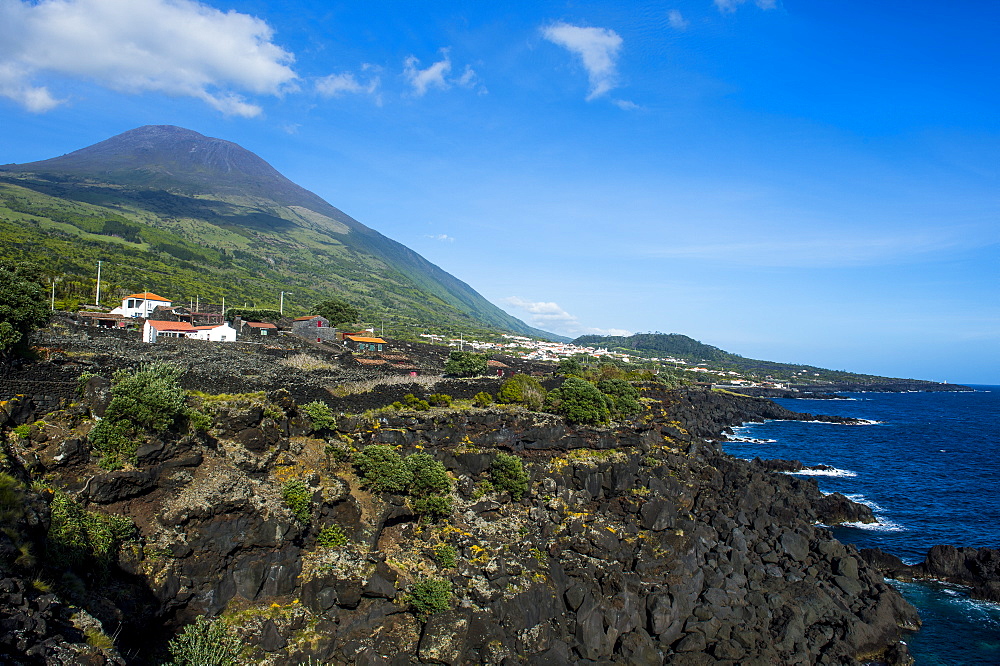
(320, 415)
(205, 643)
(383, 469)
(623, 398)
(429, 476)
(429, 596)
(507, 473)
(84, 540)
(524, 390)
(465, 364)
(145, 399)
(337, 311)
(579, 401)
(299, 499)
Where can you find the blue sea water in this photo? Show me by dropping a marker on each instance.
(929, 466)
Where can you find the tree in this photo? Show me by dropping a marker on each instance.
(23, 307)
(465, 364)
(579, 401)
(337, 311)
(522, 389)
(623, 398)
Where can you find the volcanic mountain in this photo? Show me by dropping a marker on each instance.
(170, 210)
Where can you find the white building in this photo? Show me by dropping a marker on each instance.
(218, 333)
(153, 329)
(140, 305)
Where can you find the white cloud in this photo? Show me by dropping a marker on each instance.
(444, 238)
(336, 85)
(609, 331)
(625, 105)
(432, 77)
(437, 76)
(544, 313)
(177, 47)
(730, 6)
(597, 49)
(677, 20)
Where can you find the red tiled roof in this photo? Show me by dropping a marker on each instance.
(496, 364)
(358, 338)
(170, 325)
(306, 318)
(258, 324)
(150, 296)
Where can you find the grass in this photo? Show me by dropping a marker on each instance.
(306, 363)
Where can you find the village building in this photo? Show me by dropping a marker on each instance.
(156, 328)
(251, 329)
(499, 369)
(364, 344)
(140, 305)
(214, 333)
(102, 319)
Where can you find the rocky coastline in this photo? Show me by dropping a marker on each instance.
(637, 543)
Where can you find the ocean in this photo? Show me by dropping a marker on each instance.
(928, 465)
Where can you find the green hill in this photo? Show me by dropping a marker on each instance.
(682, 347)
(171, 211)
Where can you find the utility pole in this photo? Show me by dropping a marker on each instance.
(53, 280)
(281, 308)
(98, 301)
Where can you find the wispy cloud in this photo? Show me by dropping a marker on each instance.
(730, 6)
(544, 313)
(677, 20)
(551, 316)
(347, 83)
(177, 47)
(444, 238)
(597, 48)
(438, 75)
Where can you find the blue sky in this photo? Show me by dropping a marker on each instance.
(811, 182)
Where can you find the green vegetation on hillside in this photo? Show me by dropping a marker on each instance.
(242, 249)
(658, 345)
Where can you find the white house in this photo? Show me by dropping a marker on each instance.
(218, 333)
(153, 329)
(140, 305)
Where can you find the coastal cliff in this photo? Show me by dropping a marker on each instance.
(640, 542)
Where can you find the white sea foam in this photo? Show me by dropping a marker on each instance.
(749, 440)
(882, 523)
(845, 473)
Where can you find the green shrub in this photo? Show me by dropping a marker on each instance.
(429, 476)
(413, 402)
(465, 364)
(571, 366)
(429, 596)
(205, 643)
(84, 539)
(331, 536)
(320, 415)
(522, 389)
(198, 420)
(383, 468)
(149, 397)
(445, 555)
(433, 505)
(145, 399)
(22, 430)
(507, 473)
(579, 401)
(116, 441)
(622, 397)
(298, 497)
(439, 400)
(482, 399)
(82, 379)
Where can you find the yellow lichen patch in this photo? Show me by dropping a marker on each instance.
(480, 556)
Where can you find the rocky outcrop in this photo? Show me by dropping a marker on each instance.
(637, 543)
(976, 568)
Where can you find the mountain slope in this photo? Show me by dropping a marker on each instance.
(185, 212)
